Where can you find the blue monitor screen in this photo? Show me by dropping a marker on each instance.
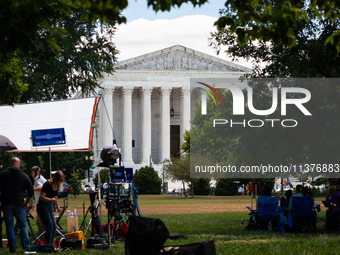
(45, 137)
(129, 175)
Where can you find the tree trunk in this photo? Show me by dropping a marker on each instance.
(192, 189)
(184, 187)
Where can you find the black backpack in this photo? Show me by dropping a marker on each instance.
(145, 236)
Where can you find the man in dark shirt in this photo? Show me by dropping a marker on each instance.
(13, 184)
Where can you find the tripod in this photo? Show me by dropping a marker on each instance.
(30, 229)
(96, 226)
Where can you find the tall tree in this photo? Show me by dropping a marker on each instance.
(86, 53)
(33, 28)
(312, 56)
(30, 26)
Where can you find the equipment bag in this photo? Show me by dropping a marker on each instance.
(71, 243)
(145, 236)
(121, 230)
(201, 248)
(44, 248)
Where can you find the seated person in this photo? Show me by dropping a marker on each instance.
(298, 193)
(285, 201)
(306, 191)
(266, 221)
(266, 191)
(332, 202)
(332, 198)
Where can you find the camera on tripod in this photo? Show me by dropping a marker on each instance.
(110, 155)
(116, 201)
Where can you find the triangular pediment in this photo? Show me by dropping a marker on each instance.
(180, 58)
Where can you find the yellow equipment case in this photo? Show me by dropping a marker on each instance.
(78, 235)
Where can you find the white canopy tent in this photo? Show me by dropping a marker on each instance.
(76, 116)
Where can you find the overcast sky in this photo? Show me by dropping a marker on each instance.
(147, 31)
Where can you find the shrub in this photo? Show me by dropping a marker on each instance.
(201, 186)
(147, 181)
(226, 187)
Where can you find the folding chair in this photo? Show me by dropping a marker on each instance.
(303, 215)
(269, 214)
(59, 228)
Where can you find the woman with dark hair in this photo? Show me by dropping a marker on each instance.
(285, 202)
(267, 191)
(48, 196)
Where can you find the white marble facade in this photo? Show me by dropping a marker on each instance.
(139, 95)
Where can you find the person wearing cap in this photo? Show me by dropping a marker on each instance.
(39, 181)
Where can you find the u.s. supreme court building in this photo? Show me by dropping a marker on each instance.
(139, 98)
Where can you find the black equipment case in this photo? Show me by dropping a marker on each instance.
(97, 243)
(70, 243)
(200, 248)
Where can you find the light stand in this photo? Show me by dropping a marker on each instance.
(88, 163)
(95, 125)
(116, 156)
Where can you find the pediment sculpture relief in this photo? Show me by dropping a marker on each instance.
(176, 61)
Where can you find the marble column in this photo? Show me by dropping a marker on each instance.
(107, 116)
(127, 125)
(165, 122)
(185, 110)
(146, 124)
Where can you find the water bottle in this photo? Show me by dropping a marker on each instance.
(270, 226)
(317, 206)
(75, 213)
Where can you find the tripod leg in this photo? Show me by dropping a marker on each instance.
(84, 219)
(42, 234)
(59, 232)
(31, 231)
(87, 228)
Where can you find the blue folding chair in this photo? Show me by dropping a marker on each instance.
(303, 215)
(269, 214)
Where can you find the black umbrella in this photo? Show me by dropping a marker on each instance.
(6, 144)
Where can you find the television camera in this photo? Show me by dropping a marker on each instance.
(118, 202)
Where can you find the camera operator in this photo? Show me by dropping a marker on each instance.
(48, 196)
(13, 184)
(39, 181)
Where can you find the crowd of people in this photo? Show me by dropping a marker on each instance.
(331, 202)
(14, 185)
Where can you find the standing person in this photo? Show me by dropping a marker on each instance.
(240, 190)
(64, 186)
(39, 181)
(48, 197)
(13, 184)
(105, 186)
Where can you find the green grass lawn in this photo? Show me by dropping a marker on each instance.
(226, 229)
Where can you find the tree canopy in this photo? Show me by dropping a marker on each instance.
(315, 138)
(86, 53)
(33, 28)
